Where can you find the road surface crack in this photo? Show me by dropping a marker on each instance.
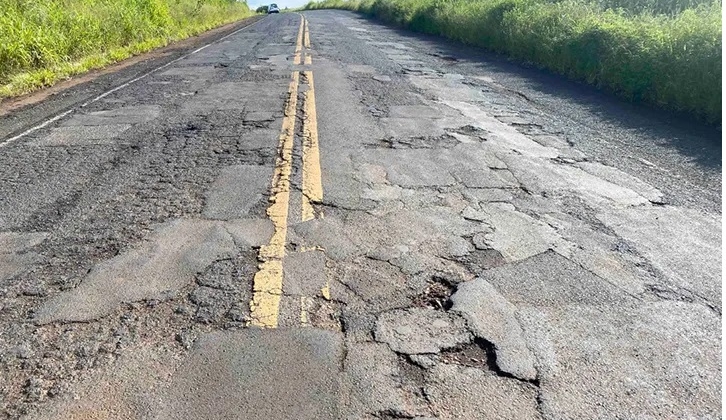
(393, 414)
(679, 294)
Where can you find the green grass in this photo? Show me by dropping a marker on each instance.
(43, 41)
(666, 53)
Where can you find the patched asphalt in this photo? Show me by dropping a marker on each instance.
(492, 241)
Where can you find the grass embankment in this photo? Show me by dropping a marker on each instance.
(663, 52)
(43, 41)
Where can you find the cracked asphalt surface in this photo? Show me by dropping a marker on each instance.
(491, 242)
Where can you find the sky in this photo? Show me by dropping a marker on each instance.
(280, 3)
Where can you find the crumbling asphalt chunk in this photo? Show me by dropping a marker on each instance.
(492, 318)
(420, 330)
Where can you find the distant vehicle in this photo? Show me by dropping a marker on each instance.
(273, 9)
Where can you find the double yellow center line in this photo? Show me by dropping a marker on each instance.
(267, 283)
(303, 40)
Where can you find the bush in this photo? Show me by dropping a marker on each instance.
(44, 40)
(663, 52)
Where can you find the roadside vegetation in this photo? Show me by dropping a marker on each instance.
(663, 52)
(43, 41)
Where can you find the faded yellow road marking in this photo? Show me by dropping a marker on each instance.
(267, 283)
(326, 292)
(299, 43)
(306, 44)
(307, 35)
(312, 188)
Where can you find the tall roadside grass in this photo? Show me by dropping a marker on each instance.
(663, 52)
(42, 41)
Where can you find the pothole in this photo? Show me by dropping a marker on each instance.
(475, 354)
(479, 354)
(437, 295)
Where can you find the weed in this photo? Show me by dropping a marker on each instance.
(42, 41)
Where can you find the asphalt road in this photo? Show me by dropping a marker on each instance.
(325, 218)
